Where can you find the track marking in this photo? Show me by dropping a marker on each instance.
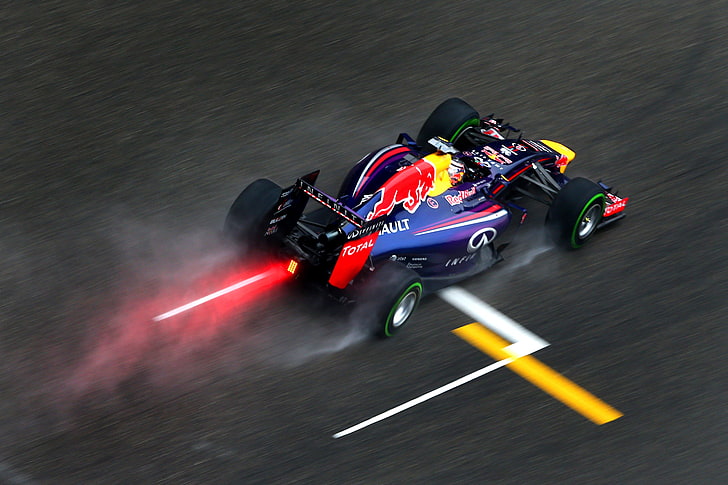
(523, 341)
(425, 397)
(515, 355)
(539, 374)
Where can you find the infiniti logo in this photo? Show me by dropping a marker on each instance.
(481, 238)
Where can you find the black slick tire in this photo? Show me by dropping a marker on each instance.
(387, 299)
(576, 212)
(448, 121)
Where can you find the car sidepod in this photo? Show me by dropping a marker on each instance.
(443, 238)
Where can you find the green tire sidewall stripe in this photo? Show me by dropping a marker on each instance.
(578, 220)
(387, 330)
(473, 122)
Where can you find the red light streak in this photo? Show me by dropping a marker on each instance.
(271, 274)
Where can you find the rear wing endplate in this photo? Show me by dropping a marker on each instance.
(360, 233)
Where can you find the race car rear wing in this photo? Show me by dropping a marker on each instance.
(357, 235)
(327, 201)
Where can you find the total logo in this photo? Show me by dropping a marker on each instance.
(480, 238)
(356, 248)
(396, 226)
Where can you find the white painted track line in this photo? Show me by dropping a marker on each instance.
(424, 397)
(523, 341)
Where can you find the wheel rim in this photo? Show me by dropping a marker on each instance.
(589, 222)
(404, 308)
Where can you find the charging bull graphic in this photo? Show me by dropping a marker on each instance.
(408, 187)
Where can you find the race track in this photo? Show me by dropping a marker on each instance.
(126, 132)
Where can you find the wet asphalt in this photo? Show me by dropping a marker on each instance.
(127, 129)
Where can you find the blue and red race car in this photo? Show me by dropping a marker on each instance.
(421, 214)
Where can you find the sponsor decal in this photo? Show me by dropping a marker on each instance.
(408, 187)
(457, 199)
(414, 263)
(480, 238)
(460, 260)
(617, 205)
(351, 260)
(284, 205)
(492, 132)
(394, 227)
(277, 219)
(331, 203)
(350, 249)
(271, 230)
(486, 162)
(368, 228)
(511, 149)
(495, 155)
(433, 203)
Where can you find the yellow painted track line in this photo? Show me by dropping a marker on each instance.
(539, 374)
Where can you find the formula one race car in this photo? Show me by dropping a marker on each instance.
(421, 214)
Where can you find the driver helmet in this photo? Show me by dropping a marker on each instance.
(456, 171)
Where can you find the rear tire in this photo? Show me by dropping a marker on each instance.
(249, 215)
(388, 298)
(576, 212)
(448, 121)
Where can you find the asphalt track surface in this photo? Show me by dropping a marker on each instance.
(127, 130)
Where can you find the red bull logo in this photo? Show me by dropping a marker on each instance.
(408, 187)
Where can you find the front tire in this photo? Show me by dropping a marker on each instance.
(448, 121)
(576, 212)
(388, 299)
